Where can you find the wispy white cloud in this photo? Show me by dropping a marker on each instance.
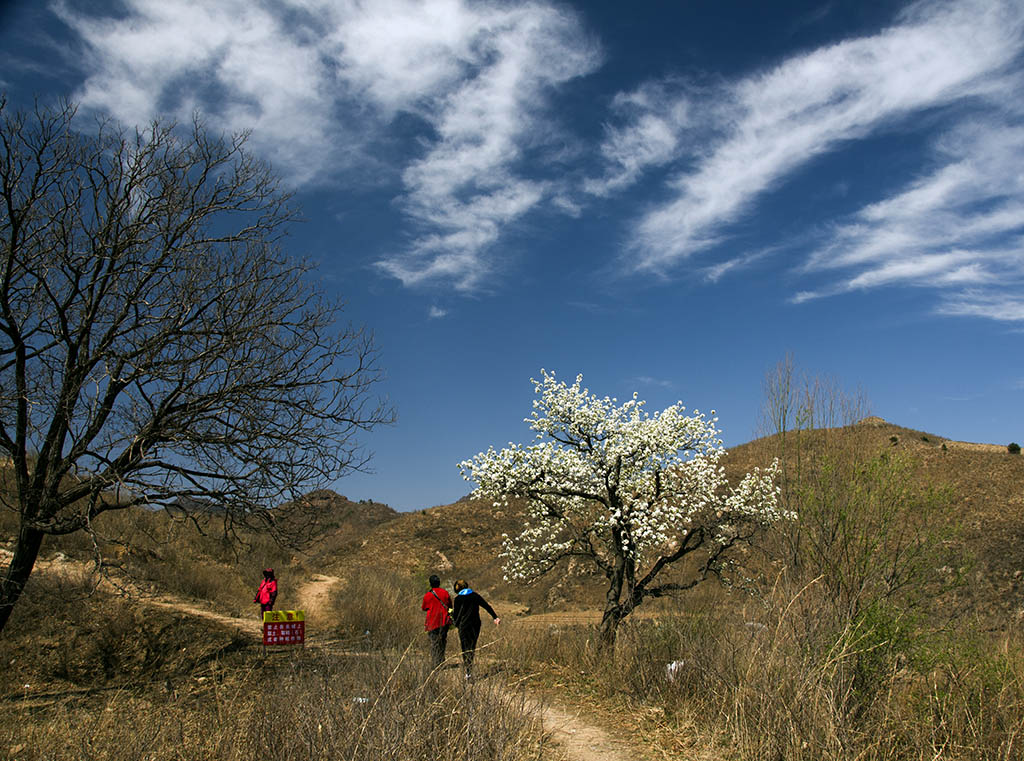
(647, 380)
(651, 136)
(464, 89)
(1004, 307)
(319, 81)
(466, 188)
(765, 126)
(715, 272)
(241, 64)
(437, 313)
(959, 227)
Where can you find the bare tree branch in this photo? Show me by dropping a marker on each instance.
(155, 343)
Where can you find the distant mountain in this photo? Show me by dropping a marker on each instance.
(183, 506)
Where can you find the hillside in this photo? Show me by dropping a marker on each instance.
(985, 511)
(986, 487)
(186, 639)
(343, 522)
(463, 539)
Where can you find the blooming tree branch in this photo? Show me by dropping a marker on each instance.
(631, 491)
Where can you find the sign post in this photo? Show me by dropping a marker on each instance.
(284, 627)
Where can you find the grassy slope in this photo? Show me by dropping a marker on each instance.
(464, 539)
(987, 501)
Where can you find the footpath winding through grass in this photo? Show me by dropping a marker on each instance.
(330, 699)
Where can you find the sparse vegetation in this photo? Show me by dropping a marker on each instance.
(883, 627)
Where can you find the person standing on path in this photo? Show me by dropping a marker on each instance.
(438, 604)
(466, 614)
(267, 592)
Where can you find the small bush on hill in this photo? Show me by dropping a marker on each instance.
(1013, 447)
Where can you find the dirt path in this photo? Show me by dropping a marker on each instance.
(315, 596)
(578, 739)
(250, 626)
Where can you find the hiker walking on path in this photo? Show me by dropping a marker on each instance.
(466, 614)
(267, 592)
(438, 604)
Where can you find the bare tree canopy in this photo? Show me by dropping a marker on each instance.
(156, 346)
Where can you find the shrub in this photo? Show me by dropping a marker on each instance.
(1013, 447)
(379, 609)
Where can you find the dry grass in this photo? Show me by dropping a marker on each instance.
(305, 706)
(807, 686)
(781, 681)
(65, 635)
(131, 682)
(378, 610)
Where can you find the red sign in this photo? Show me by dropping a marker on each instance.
(284, 627)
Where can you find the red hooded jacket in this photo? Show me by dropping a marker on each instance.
(266, 592)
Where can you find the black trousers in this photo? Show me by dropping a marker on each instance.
(468, 635)
(438, 644)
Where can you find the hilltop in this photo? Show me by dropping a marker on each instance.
(986, 508)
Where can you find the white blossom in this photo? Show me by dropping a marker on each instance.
(612, 480)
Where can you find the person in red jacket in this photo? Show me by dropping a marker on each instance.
(267, 592)
(438, 604)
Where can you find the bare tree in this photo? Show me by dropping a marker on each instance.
(795, 401)
(156, 346)
(869, 530)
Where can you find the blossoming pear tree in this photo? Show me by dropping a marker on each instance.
(631, 492)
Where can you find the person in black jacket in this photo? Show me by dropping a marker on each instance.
(466, 615)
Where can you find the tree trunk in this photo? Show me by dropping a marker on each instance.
(13, 584)
(615, 613)
(612, 600)
(609, 628)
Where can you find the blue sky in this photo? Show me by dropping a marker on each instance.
(664, 196)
